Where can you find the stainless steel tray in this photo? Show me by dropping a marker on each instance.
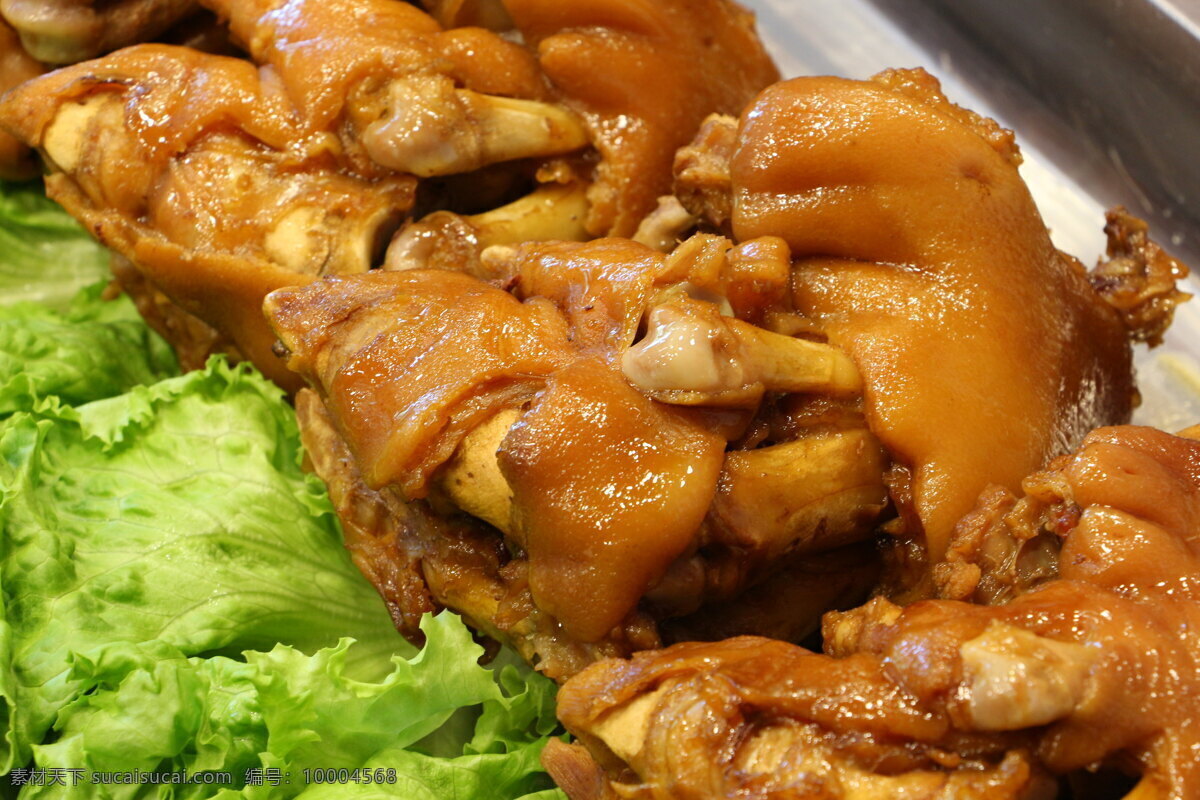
(1104, 96)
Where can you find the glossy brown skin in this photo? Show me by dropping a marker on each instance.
(154, 182)
(402, 375)
(896, 699)
(421, 561)
(645, 75)
(758, 719)
(920, 251)
(16, 67)
(642, 74)
(612, 489)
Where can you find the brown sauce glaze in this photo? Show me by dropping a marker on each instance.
(612, 488)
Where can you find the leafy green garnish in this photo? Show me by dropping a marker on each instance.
(45, 256)
(175, 513)
(93, 349)
(298, 726)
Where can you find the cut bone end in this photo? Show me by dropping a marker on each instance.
(472, 478)
(441, 240)
(823, 491)
(691, 357)
(624, 730)
(786, 364)
(513, 129)
(554, 212)
(432, 129)
(1017, 679)
(66, 137)
(665, 226)
(684, 352)
(291, 241)
(445, 240)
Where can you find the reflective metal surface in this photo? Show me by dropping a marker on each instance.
(1104, 96)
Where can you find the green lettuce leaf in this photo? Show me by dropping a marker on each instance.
(175, 513)
(93, 349)
(45, 256)
(279, 722)
(172, 585)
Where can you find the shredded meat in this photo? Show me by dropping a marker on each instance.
(703, 182)
(943, 699)
(1008, 544)
(1139, 277)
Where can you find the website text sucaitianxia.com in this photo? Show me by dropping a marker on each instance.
(254, 776)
